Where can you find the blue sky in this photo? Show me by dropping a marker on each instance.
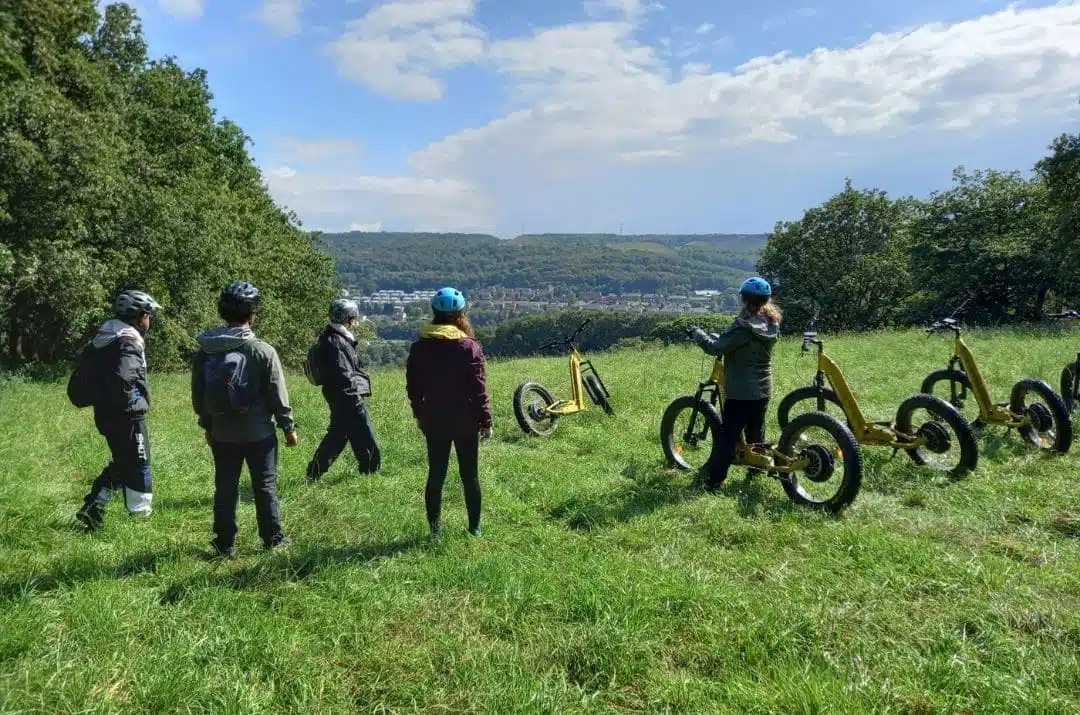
(668, 116)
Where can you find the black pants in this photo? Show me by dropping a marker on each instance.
(261, 458)
(129, 469)
(739, 416)
(350, 425)
(468, 457)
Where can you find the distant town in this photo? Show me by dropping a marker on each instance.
(400, 305)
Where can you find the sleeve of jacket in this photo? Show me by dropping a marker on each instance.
(133, 390)
(279, 394)
(198, 389)
(413, 384)
(479, 399)
(728, 341)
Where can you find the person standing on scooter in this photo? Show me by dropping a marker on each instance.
(746, 347)
(345, 385)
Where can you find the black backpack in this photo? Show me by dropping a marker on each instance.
(83, 388)
(228, 383)
(313, 364)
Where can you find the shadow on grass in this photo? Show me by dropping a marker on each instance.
(296, 564)
(757, 496)
(203, 502)
(652, 487)
(655, 487)
(66, 575)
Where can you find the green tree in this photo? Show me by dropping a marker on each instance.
(1060, 173)
(115, 173)
(845, 258)
(983, 241)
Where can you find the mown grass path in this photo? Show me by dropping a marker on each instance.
(603, 583)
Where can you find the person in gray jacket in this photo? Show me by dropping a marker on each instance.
(115, 383)
(238, 391)
(345, 385)
(746, 347)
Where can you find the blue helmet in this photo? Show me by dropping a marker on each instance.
(448, 300)
(755, 288)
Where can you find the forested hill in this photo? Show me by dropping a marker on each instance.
(574, 262)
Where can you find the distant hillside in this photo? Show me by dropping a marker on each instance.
(574, 262)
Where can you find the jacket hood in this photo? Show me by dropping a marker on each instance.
(761, 329)
(220, 340)
(112, 330)
(442, 332)
(343, 332)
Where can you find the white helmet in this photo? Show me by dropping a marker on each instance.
(134, 304)
(343, 310)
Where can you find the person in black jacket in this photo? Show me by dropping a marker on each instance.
(345, 384)
(122, 400)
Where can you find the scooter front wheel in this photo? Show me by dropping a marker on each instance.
(832, 477)
(690, 433)
(530, 401)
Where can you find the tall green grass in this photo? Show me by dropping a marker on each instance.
(604, 582)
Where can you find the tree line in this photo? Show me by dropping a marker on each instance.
(570, 264)
(1004, 245)
(116, 173)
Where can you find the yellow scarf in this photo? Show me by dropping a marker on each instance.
(442, 332)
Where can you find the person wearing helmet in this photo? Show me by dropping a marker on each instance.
(446, 380)
(238, 391)
(345, 385)
(746, 347)
(116, 377)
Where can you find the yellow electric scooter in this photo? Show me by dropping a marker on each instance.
(538, 411)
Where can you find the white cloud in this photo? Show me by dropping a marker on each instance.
(186, 9)
(283, 15)
(366, 227)
(597, 91)
(403, 202)
(296, 150)
(399, 48)
(600, 115)
(789, 17)
(705, 28)
(282, 172)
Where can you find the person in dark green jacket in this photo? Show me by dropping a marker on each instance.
(746, 347)
(238, 391)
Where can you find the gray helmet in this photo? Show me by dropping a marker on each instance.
(240, 296)
(343, 310)
(134, 304)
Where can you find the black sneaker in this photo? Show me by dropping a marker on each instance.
(476, 532)
(436, 529)
(89, 518)
(222, 552)
(281, 542)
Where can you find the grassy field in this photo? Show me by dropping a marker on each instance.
(603, 582)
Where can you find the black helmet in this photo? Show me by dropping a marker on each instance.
(342, 310)
(239, 298)
(134, 304)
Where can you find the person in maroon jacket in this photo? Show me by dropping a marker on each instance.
(446, 379)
